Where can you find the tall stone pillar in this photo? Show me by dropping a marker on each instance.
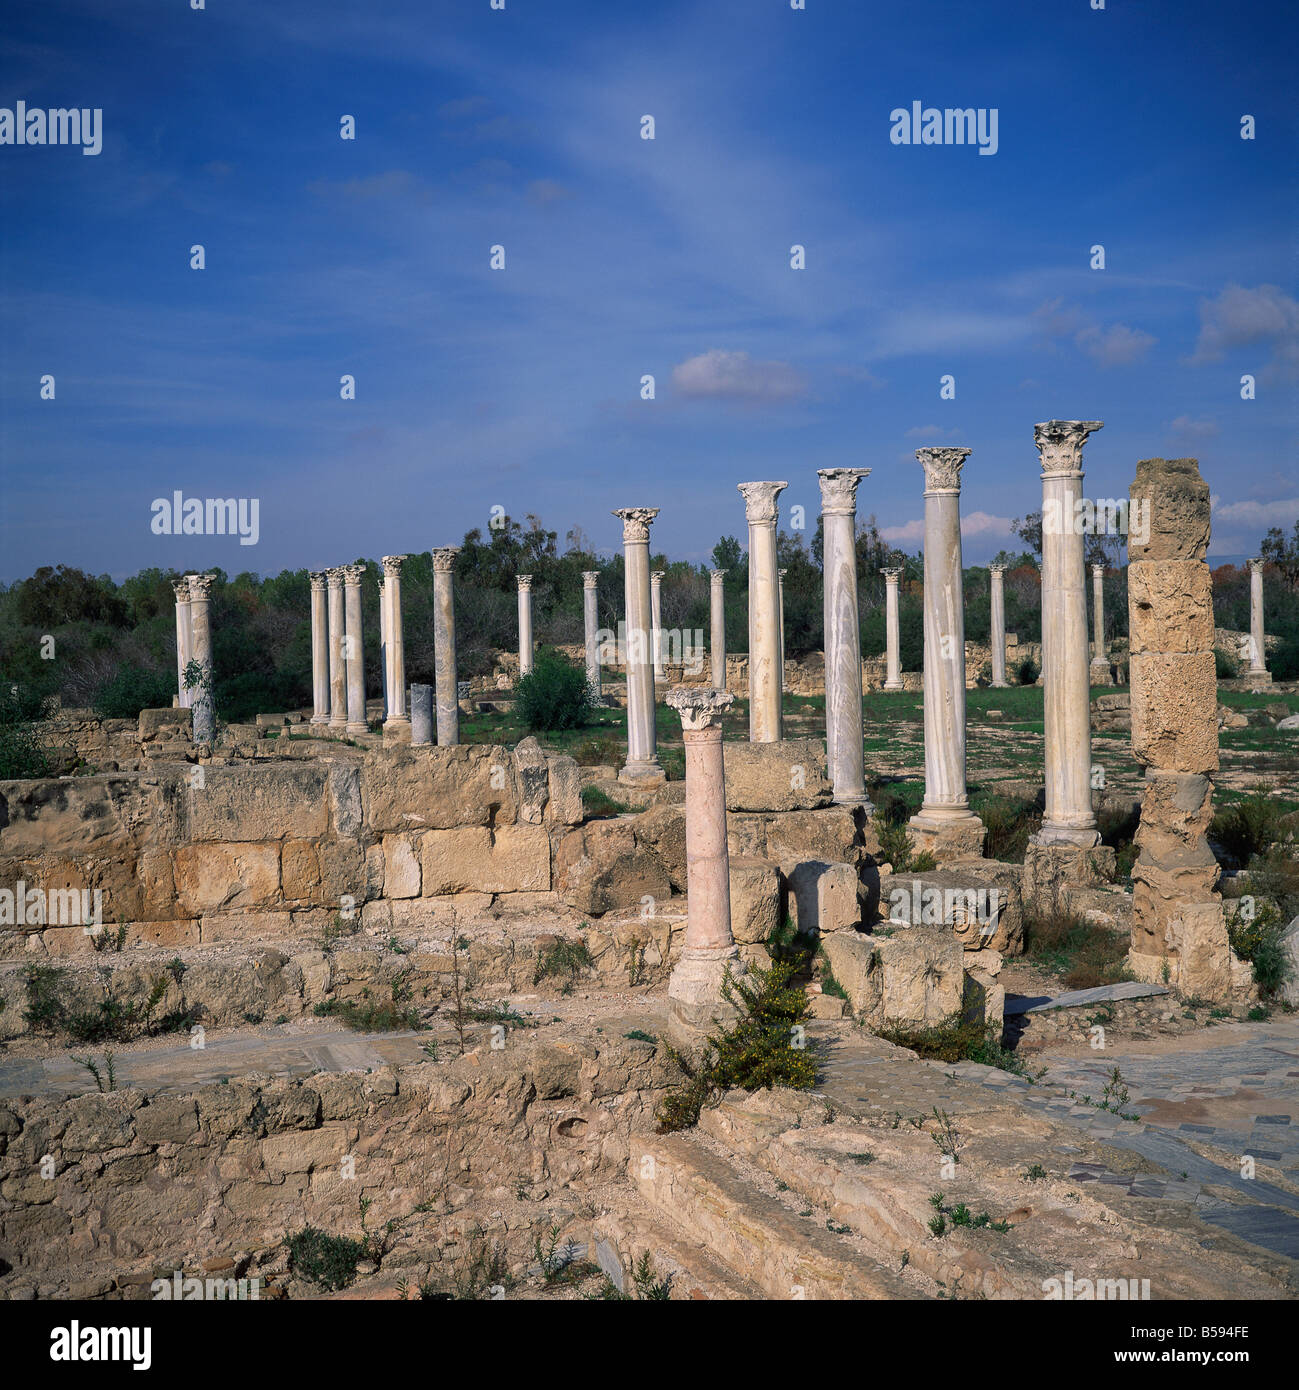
(395, 664)
(944, 825)
(185, 642)
(383, 643)
(525, 624)
(1257, 648)
(694, 989)
(997, 574)
(1068, 818)
(761, 510)
(642, 738)
(1179, 932)
(204, 699)
(843, 692)
(337, 650)
(319, 647)
(444, 644)
(656, 622)
(780, 610)
(717, 626)
(1100, 666)
(893, 672)
(354, 649)
(591, 628)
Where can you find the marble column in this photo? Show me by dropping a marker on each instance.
(998, 640)
(1257, 648)
(421, 715)
(717, 626)
(383, 642)
(843, 692)
(642, 738)
(204, 701)
(591, 628)
(944, 823)
(1100, 665)
(761, 510)
(354, 649)
(337, 649)
(444, 644)
(656, 622)
(525, 624)
(395, 656)
(893, 672)
(1068, 818)
(709, 950)
(184, 640)
(319, 647)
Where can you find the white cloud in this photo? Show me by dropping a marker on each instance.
(1279, 512)
(723, 375)
(931, 432)
(973, 524)
(1194, 429)
(1115, 346)
(1241, 317)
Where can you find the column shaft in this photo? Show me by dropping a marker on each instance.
(395, 654)
(997, 573)
(892, 655)
(204, 702)
(717, 626)
(184, 642)
(354, 649)
(319, 647)
(656, 622)
(337, 659)
(444, 644)
(843, 688)
(642, 737)
(591, 628)
(1257, 645)
(525, 624)
(761, 512)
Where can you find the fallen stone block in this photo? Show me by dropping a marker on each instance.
(788, 775)
(914, 978)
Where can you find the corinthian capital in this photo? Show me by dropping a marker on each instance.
(700, 707)
(590, 579)
(180, 587)
(351, 575)
(839, 490)
(319, 580)
(942, 468)
(1255, 565)
(525, 583)
(444, 558)
(997, 570)
(200, 586)
(717, 575)
(334, 578)
(392, 565)
(760, 505)
(1060, 443)
(892, 575)
(636, 522)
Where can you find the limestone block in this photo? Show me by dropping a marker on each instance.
(635, 948)
(755, 899)
(980, 903)
(401, 869)
(1178, 501)
(1049, 869)
(264, 801)
(662, 830)
(984, 1000)
(80, 815)
(1290, 949)
(787, 775)
(167, 1120)
(834, 835)
(214, 876)
(914, 978)
(300, 1152)
(244, 927)
(342, 872)
(1170, 606)
(822, 897)
(532, 778)
(300, 871)
(564, 806)
(440, 788)
(746, 836)
(510, 859)
(599, 868)
(164, 723)
(1202, 959)
(1174, 698)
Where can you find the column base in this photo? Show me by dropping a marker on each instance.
(855, 799)
(320, 719)
(353, 728)
(396, 729)
(1083, 836)
(1100, 672)
(1051, 868)
(642, 773)
(339, 724)
(947, 832)
(893, 685)
(1259, 677)
(695, 1004)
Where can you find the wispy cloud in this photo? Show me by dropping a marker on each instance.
(720, 375)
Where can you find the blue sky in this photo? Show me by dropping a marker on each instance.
(625, 257)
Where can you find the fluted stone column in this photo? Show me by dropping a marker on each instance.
(337, 651)
(694, 989)
(591, 626)
(944, 824)
(843, 692)
(997, 575)
(383, 643)
(1100, 664)
(717, 626)
(656, 622)
(1257, 648)
(319, 647)
(204, 701)
(1068, 818)
(893, 673)
(395, 663)
(525, 624)
(184, 640)
(761, 509)
(444, 644)
(354, 649)
(780, 612)
(642, 738)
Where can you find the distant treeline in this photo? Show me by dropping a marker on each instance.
(113, 646)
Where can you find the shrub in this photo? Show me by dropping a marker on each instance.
(22, 754)
(1247, 827)
(1258, 941)
(1026, 672)
(1009, 824)
(757, 1052)
(554, 695)
(1081, 954)
(1225, 666)
(329, 1261)
(132, 689)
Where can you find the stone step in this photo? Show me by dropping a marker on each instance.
(784, 1254)
(620, 1239)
